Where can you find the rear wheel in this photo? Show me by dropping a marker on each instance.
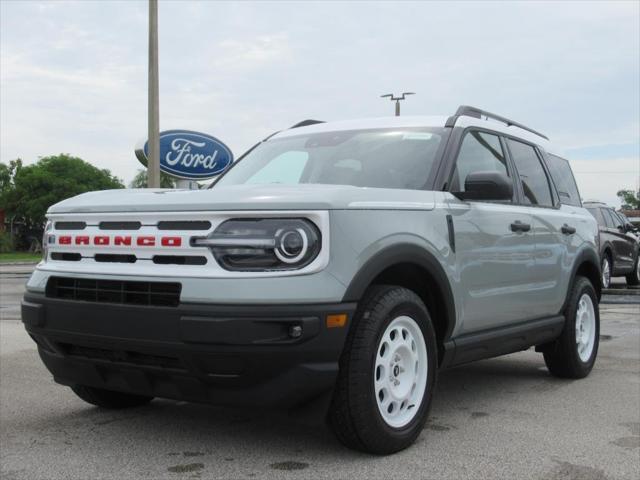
(606, 271)
(574, 353)
(387, 373)
(634, 277)
(108, 398)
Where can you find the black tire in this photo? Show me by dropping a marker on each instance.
(354, 416)
(634, 277)
(108, 398)
(606, 282)
(561, 357)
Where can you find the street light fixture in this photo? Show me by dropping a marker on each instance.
(397, 100)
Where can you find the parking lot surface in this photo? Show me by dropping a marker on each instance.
(503, 418)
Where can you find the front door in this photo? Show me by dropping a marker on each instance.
(494, 243)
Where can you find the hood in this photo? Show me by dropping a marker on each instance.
(247, 197)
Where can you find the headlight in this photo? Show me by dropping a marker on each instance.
(263, 244)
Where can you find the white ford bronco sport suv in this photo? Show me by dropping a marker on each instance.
(356, 257)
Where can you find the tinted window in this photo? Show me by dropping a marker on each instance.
(597, 215)
(564, 181)
(384, 158)
(532, 175)
(612, 219)
(479, 152)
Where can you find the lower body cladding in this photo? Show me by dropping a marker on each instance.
(269, 355)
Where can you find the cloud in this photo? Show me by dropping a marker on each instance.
(75, 79)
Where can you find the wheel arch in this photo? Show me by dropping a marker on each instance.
(587, 264)
(412, 267)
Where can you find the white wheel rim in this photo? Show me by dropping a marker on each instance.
(638, 268)
(585, 327)
(400, 373)
(606, 273)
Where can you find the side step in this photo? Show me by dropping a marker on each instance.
(501, 341)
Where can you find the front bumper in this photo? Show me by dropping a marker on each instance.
(221, 354)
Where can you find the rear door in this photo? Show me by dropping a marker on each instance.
(554, 225)
(494, 242)
(623, 244)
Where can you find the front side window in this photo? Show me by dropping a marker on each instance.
(402, 158)
(563, 179)
(479, 152)
(613, 220)
(535, 183)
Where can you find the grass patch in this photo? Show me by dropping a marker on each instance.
(19, 257)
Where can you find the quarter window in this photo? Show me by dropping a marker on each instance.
(564, 180)
(479, 152)
(535, 183)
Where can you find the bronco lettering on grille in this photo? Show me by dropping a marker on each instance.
(120, 240)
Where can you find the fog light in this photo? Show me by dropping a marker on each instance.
(295, 331)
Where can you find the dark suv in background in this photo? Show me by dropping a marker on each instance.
(618, 244)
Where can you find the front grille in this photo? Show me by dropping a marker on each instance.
(122, 356)
(71, 225)
(66, 256)
(120, 225)
(114, 258)
(184, 225)
(179, 260)
(162, 294)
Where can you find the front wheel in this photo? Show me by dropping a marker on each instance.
(387, 373)
(574, 353)
(634, 277)
(606, 271)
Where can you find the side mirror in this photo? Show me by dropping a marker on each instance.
(487, 185)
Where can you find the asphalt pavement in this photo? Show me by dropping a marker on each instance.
(503, 418)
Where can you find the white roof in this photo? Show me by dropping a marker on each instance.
(417, 121)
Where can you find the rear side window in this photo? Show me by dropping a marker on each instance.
(562, 177)
(479, 152)
(535, 183)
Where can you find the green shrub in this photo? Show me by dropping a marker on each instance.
(6, 242)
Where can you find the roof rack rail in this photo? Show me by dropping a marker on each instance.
(306, 123)
(467, 111)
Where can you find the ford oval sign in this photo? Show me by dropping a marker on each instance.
(190, 155)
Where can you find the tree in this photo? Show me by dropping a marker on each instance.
(630, 199)
(28, 191)
(140, 180)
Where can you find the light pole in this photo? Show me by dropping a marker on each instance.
(153, 160)
(397, 100)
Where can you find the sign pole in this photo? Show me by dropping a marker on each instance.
(153, 162)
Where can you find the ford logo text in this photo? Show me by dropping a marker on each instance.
(189, 155)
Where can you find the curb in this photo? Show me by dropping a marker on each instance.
(17, 264)
(621, 291)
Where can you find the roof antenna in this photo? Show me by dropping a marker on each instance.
(397, 100)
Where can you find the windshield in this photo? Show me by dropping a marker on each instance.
(383, 158)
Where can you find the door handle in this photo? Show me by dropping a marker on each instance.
(518, 226)
(568, 230)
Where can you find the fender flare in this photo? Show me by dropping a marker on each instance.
(586, 255)
(404, 253)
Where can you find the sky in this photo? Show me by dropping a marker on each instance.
(73, 75)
